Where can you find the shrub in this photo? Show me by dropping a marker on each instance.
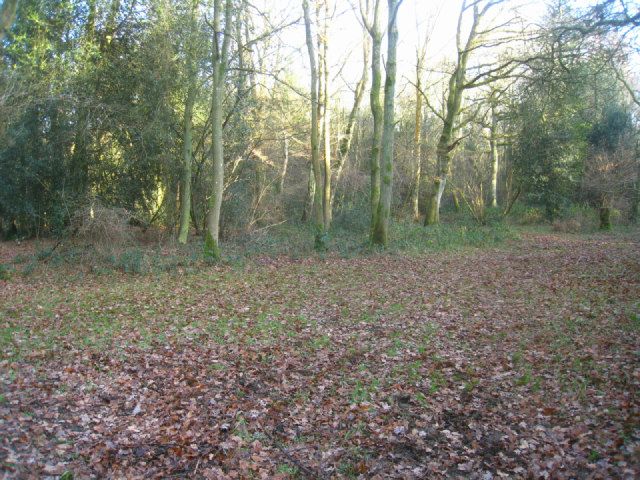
(566, 226)
(134, 261)
(102, 225)
(530, 216)
(5, 272)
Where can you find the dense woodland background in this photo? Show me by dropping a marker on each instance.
(186, 117)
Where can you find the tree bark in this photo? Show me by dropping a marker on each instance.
(307, 211)
(381, 227)
(375, 32)
(220, 54)
(318, 217)
(187, 154)
(453, 105)
(285, 164)
(326, 121)
(187, 146)
(605, 217)
(417, 139)
(493, 144)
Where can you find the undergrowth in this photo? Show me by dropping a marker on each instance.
(347, 239)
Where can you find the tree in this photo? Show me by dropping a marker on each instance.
(457, 86)
(220, 62)
(611, 164)
(421, 53)
(345, 141)
(191, 77)
(380, 234)
(315, 132)
(371, 19)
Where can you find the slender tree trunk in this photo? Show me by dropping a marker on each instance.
(605, 213)
(456, 200)
(452, 111)
(285, 163)
(493, 144)
(318, 217)
(212, 247)
(219, 63)
(187, 155)
(307, 211)
(376, 111)
(381, 227)
(417, 143)
(326, 120)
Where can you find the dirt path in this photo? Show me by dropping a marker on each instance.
(519, 362)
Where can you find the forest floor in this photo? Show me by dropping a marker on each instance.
(521, 361)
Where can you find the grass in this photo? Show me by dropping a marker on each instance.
(293, 240)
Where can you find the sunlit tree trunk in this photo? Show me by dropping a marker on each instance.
(323, 50)
(326, 197)
(187, 130)
(219, 60)
(318, 217)
(417, 138)
(187, 155)
(285, 164)
(381, 227)
(307, 211)
(452, 111)
(493, 144)
(375, 31)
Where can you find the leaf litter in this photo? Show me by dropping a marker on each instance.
(515, 362)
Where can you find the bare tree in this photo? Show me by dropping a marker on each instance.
(220, 62)
(318, 217)
(462, 79)
(380, 234)
(371, 19)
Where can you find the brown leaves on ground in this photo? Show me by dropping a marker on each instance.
(520, 362)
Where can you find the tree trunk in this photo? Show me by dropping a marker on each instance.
(605, 218)
(219, 63)
(421, 53)
(212, 247)
(377, 112)
(493, 144)
(307, 211)
(433, 203)
(456, 200)
(381, 227)
(285, 164)
(417, 145)
(318, 217)
(453, 105)
(187, 154)
(326, 122)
